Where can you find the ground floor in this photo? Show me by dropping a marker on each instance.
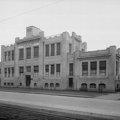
(63, 83)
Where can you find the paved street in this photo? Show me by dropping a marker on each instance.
(74, 105)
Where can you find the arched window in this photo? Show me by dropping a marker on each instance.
(4, 83)
(92, 85)
(102, 85)
(51, 84)
(12, 84)
(35, 84)
(46, 85)
(8, 83)
(20, 84)
(84, 86)
(57, 85)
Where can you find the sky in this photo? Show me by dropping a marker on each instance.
(97, 21)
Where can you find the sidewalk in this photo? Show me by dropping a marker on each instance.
(112, 96)
(69, 93)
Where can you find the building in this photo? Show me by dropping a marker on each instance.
(97, 70)
(58, 62)
(0, 74)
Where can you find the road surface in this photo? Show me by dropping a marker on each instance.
(73, 105)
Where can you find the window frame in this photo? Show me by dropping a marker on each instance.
(102, 69)
(58, 48)
(36, 70)
(52, 70)
(84, 69)
(53, 49)
(28, 53)
(21, 54)
(47, 47)
(21, 70)
(36, 51)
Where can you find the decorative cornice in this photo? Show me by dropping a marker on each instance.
(94, 56)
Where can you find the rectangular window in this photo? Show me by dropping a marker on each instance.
(117, 67)
(102, 67)
(58, 49)
(5, 72)
(28, 68)
(5, 55)
(12, 71)
(8, 72)
(52, 49)
(12, 54)
(28, 53)
(21, 70)
(21, 54)
(36, 51)
(9, 56)
(36, 69)
(46, 50)
(57, 69)
(93, 68)
(70, 48)
(84, 68)
(46, 70)
(52, 69)
(71, 69)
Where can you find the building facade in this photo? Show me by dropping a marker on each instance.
(58, 62)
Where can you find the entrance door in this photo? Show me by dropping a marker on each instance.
(28, 80)
(70, 82)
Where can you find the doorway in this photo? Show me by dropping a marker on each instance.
(70, 82)
(28, 80)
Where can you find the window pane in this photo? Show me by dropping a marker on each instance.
(58, 48)
(12, 55)
(46, 68)
(8, 72)
(52, 49)
(93, 68)
(21, 69)
(5, 72)
(70, 48)
(57, 67)
(71, 69)
(36, 69)
(36, 51)
(85, 68)
(28, 53)
(21, 54)
(12, 71)
(102, 67)
(9, 56)
(117, 67)
(28, 69)
(5, 55)
(92, 85)
(52, 69)
(46, 50)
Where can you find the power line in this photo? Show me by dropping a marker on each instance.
(27, 12)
